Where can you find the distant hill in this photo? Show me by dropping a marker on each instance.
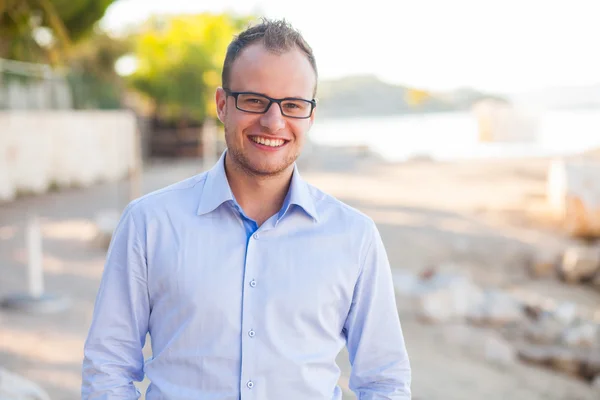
(364, 95)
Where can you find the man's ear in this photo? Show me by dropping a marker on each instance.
(221, 102)
(312, 117)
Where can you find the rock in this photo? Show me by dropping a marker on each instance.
(447, 297)
(580, 263)
(533, 311)
(546, 330)
(497, 308)
(558, 358)
(566, 360)
(535, 354)
(573, 193)
(15, 387)
(596, 281)
(577, 362)
(591, 367)
(584, 334)
(565, 313)
(543, 265)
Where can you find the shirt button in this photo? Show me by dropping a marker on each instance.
(256, 236)
(252, 283)
(250, 384)
(251, 333)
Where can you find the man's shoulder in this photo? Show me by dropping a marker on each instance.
(335, 209)
(175, 195)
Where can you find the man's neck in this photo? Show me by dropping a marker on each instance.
(259, 196)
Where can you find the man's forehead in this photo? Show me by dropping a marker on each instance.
(288, 73)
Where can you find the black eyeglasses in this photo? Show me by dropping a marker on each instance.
(257, 103)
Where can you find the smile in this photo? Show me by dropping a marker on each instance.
(268, 142)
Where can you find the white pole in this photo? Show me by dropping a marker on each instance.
(34, 257)
(209, 145)
(135, 172)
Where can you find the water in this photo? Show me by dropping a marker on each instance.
(448, 136)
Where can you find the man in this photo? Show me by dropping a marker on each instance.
(248, 280)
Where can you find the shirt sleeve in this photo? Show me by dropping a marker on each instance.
(380, 363)
(113, 356)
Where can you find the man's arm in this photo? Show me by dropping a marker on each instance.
(113, 356)
(380, 364)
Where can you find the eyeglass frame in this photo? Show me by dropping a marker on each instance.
(313, 103)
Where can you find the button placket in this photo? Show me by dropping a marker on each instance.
(249, 299)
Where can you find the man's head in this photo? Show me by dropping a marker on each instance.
(273, 60)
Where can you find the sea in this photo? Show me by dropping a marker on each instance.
(455, 136)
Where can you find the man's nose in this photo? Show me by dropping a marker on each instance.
(273, 119)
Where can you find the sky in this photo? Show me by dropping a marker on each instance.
(504, 46)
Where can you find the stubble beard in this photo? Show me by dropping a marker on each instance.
(242, 162)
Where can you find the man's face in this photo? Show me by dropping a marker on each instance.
(278, 76)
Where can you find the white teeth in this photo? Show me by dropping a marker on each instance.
(268, 142)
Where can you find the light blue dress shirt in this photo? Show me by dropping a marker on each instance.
(237, 311)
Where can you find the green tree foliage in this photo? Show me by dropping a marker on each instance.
(179, 61)
(92, 75)
(66, 20)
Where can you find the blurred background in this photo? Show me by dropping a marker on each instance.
(468, 130)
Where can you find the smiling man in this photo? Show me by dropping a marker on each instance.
(249, 280)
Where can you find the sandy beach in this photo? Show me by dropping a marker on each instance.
(484, 218)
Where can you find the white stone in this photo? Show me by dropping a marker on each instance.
(545, 330)
(15, 387)
(580, 263)
(573, 193)
(565, 313)
(584, 334)
(497, 308)
(447, 297)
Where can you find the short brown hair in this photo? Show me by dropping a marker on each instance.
(278, 36)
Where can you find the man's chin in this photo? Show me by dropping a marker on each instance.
(270, 169)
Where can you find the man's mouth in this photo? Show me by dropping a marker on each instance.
(268, 142)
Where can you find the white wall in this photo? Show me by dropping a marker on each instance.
(40, 148)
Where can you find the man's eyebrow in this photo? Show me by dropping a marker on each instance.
(264, 94)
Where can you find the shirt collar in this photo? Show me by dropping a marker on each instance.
(217, 191)
(300, 195)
